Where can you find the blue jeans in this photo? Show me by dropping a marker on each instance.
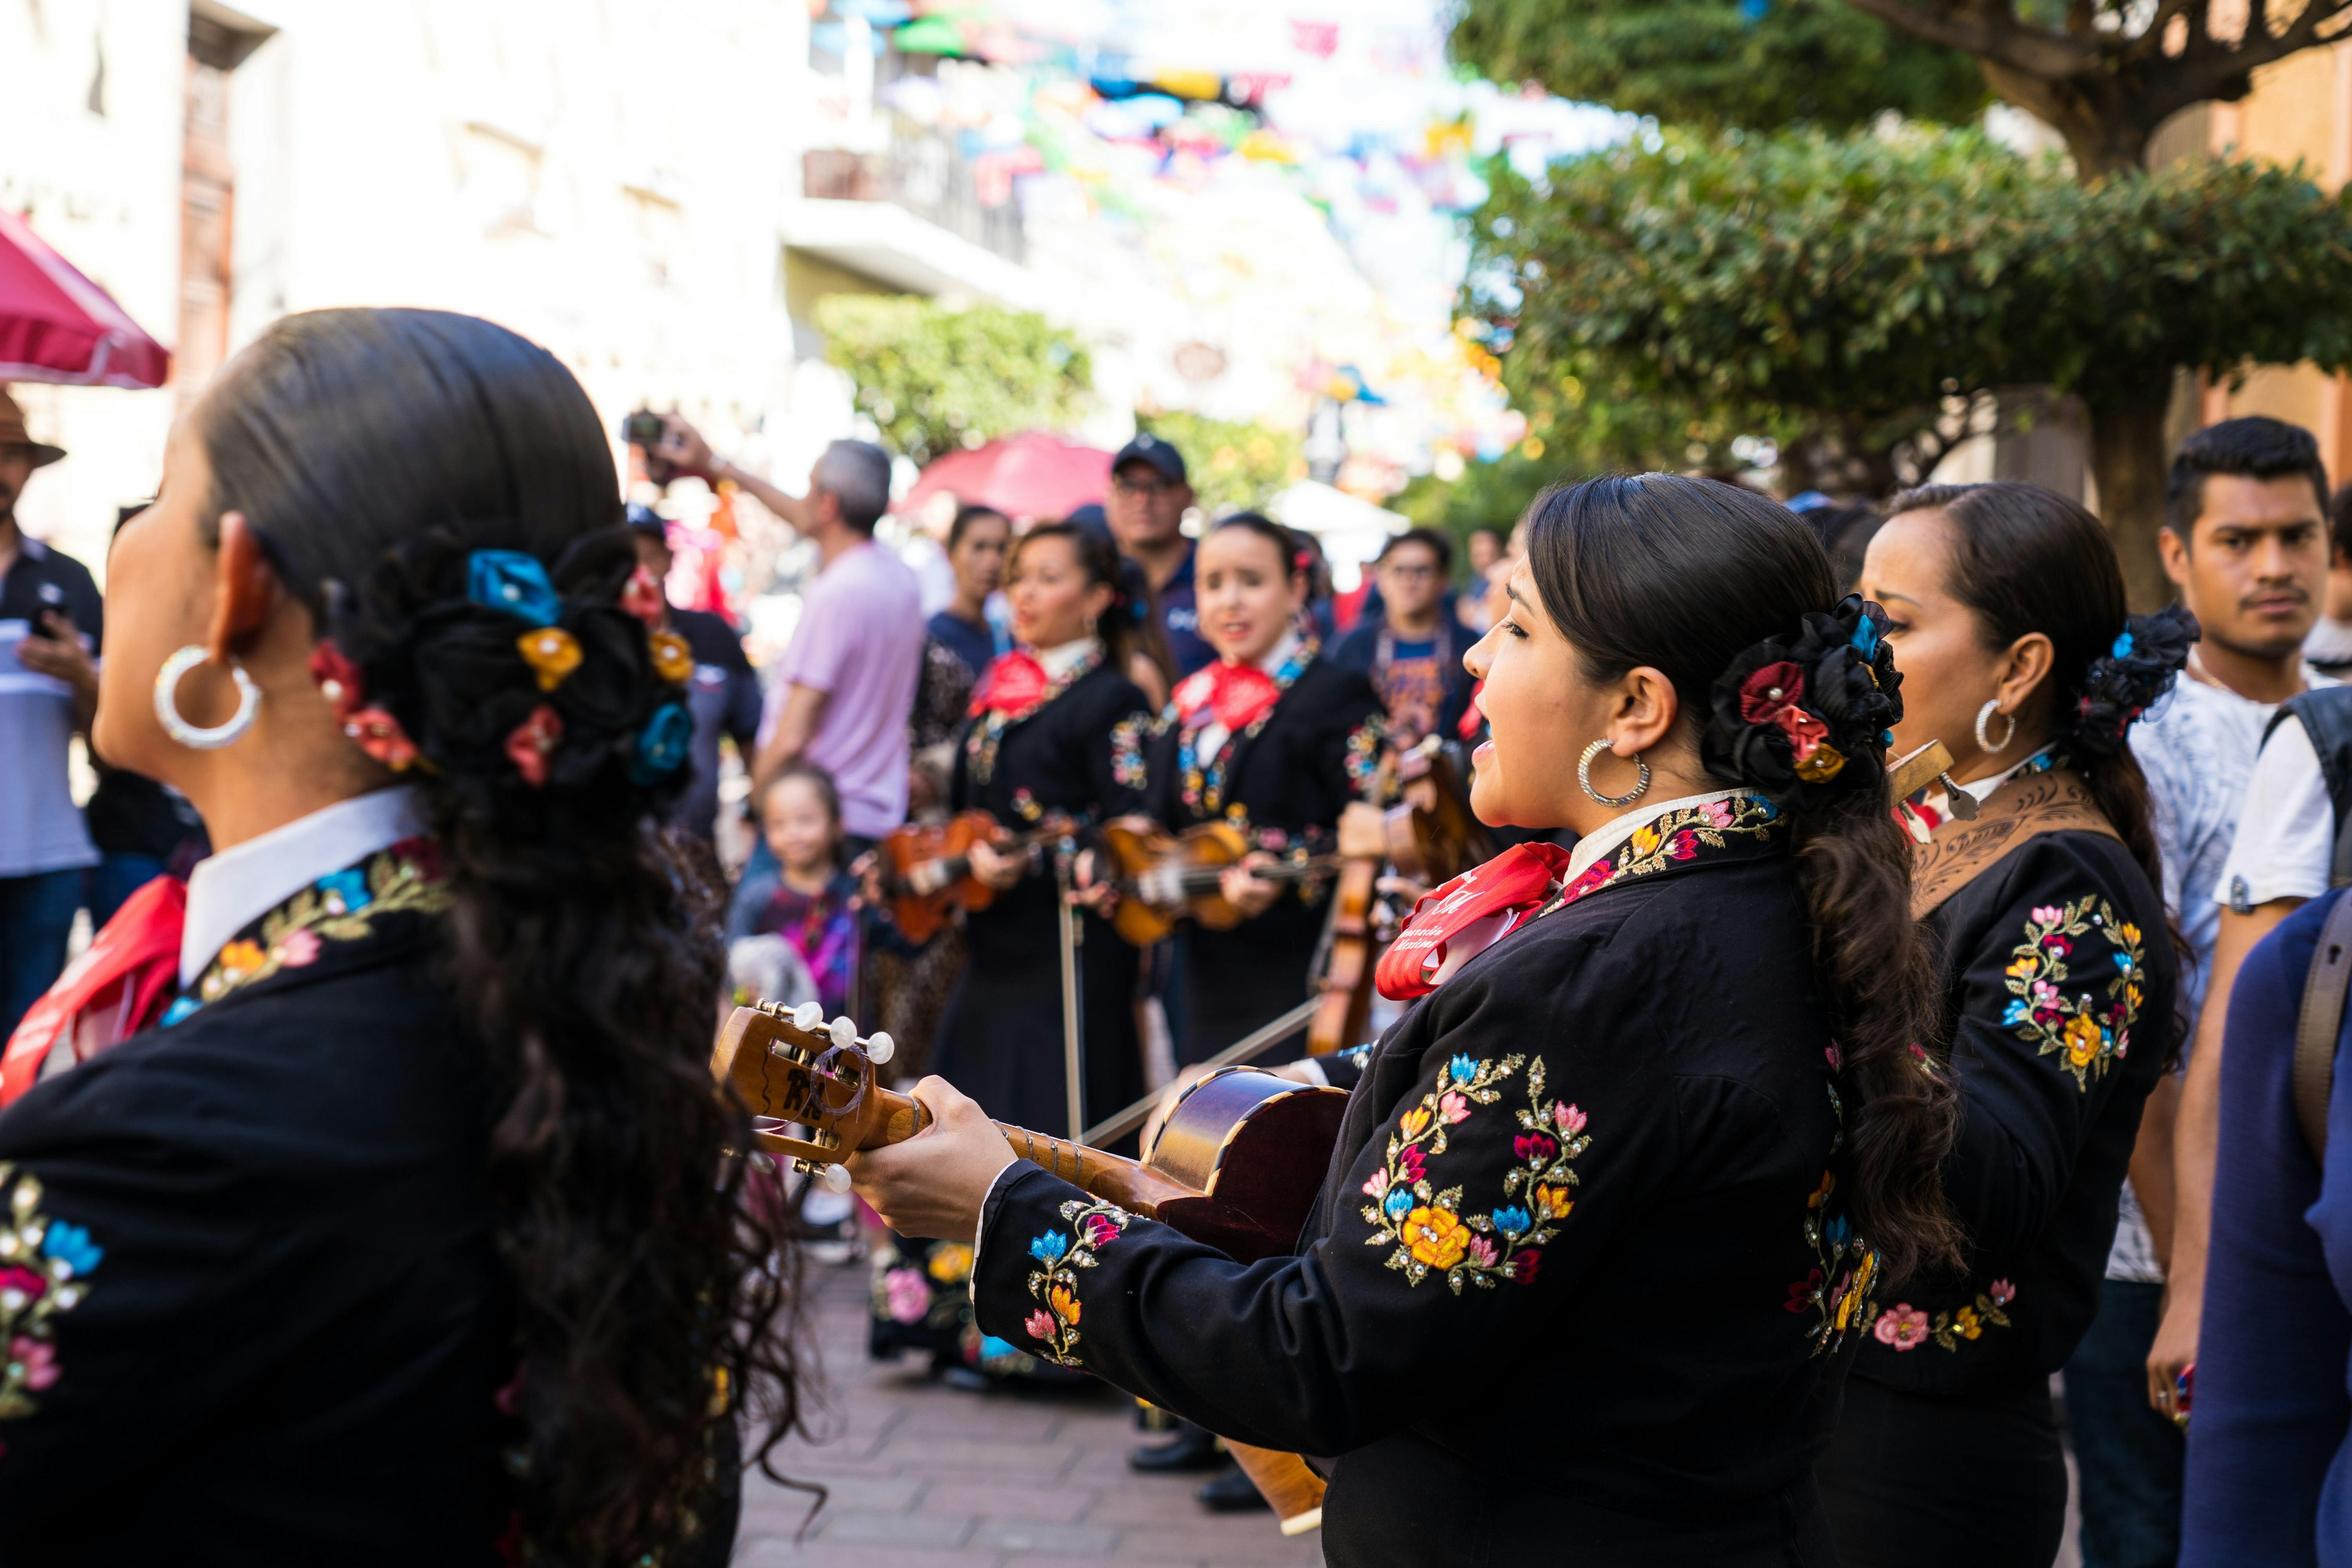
(37, 916)
(2128, 1455)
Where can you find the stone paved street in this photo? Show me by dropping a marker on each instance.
(923, 1475)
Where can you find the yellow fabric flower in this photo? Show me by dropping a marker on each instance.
(2084, 1038)
(1966, 1324)
(1645, 841)
(1826, 763)
(2024, 966)
(551, 652)
(1434, 1237)
(1414, 1121)
(673, 660)
(951, 1263)
(1064, 1302)
(1554, 1202)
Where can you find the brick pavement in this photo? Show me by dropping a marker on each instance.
(923, 1476)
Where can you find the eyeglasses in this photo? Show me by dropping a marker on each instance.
(1140, 487)
(1407, 569)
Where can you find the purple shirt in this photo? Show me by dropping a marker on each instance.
(860, 642)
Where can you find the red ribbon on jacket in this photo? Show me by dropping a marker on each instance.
(1015, 684)
(1515, 883)
(120, 984)
(1237, 695)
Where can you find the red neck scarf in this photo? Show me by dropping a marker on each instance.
(1237, 695)
(115, 988)
(1515, 883)
(1015, 684)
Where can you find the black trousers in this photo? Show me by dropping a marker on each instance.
(1922, 1480)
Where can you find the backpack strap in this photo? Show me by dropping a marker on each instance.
(2318, 1023)
(2326, 715)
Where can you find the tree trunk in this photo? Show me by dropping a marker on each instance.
(2128, 458)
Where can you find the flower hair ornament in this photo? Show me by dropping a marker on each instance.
(2130, 679)
(1801, 717)
(487, 666)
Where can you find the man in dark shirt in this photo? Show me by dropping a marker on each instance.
(1412, 647)
(50, 626)
(1150, 494)
(723, 694)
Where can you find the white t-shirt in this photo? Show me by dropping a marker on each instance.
(2287, 829)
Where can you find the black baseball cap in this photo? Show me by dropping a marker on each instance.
(645, 519)
(1149, 448)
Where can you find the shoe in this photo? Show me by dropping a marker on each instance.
(1231, 1492)
(1192, 1448)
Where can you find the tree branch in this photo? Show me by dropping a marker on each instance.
(1999, 38)
(2209, 72)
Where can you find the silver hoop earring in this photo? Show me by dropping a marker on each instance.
(1584, 777)
(1984, 741)
(194, 736)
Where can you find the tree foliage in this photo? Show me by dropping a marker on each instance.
(1234, 466)
(1711, 64)
(935, 377)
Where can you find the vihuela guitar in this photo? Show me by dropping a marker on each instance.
(1236, 1165)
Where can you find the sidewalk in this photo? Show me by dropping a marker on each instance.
(921, 1475)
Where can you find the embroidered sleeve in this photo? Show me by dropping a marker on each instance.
(45, 1266)
(1055, 1283)
(2075, 985)
(1364, 754)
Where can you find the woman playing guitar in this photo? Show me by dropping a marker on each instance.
(1608, 1202)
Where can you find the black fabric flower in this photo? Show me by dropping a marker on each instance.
(2127, 680)
(1802, 717)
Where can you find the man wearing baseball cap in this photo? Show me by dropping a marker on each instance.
(1149, 495)
(50, 626)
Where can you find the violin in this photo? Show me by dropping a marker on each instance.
(1162, 879)
(1432, 836)
(927, 867)
(1236, 1166)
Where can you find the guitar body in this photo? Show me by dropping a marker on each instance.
(1432, 836)
(929, 874)
(1163, 877)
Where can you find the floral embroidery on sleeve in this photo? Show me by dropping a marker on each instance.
(1055, 1284)
(1906, 1327)
(2087, 1033)
(1426, 1226)
(43, 1265)
(1363, 761)
(1837, 1287)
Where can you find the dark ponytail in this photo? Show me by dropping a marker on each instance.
(1722, 590)
(2024, 559)
(1098, 559)
(432, 486)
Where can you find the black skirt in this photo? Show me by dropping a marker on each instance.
(1925, 1480)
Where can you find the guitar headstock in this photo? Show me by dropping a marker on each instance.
(810, 1085)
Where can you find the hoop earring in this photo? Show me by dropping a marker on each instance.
(1984, 741)
(1584, 777)
(193, 736)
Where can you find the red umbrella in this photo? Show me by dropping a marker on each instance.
(57, 325)
(1029, 475)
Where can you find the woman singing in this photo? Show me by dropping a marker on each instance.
(2056, 972)
(405, 1237)
(1608, 1200)
(1276, 740)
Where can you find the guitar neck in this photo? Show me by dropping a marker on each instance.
(1133, 1186)
(1205, 878)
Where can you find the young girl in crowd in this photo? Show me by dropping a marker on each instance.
(1610, 1199)
(1274, 740)
(2057, 974)
(813, 902)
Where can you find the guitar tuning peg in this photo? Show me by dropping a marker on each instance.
(879, 1047)
(808, 1016)
(844, 1033)
(833, 1179)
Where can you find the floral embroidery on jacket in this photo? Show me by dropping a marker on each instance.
(1363, 760)
(1837, 1287)
(2088, 1035)
(1203, 783)
(342, 906)
(1906, 1327)
(1426, 1226)
(1055, 1284)
(44, 1263)
(1127, 752)
(1673, 837)
(981, 743)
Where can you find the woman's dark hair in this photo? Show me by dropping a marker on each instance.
(1707, 581)
(2024, 559)
(380, 456)
(1289, 548)
(966, 516)
(1100, 560)
(828, 794)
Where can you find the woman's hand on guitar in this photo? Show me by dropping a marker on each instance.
(994, 868)
(1098, 897)
(1249, 894)
(934, 1183)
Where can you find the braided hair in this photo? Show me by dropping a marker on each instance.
(438, 493)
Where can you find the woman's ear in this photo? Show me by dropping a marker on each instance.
(1645, 708)
(2023, 670)
(245, 588)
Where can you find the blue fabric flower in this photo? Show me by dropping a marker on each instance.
(71, 1246)
(510, 581)
(1463, 1071)
(1836, 1231)
(2123, 961)
(662, 744)
(177, 1011)
(1399, 1199)
(1865, 637)
(2123, 647)
(2017, 1012)
(1048, 1248)
(1511, 1219)
(349, 886)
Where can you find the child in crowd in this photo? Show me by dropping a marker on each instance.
(811, 900)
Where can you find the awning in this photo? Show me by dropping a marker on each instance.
(55, 325)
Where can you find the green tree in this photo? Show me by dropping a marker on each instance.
(1854, 287)
(935, 377)
(1711, 64)
(1234, 466)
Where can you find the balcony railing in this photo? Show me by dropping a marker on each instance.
(925, 173)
